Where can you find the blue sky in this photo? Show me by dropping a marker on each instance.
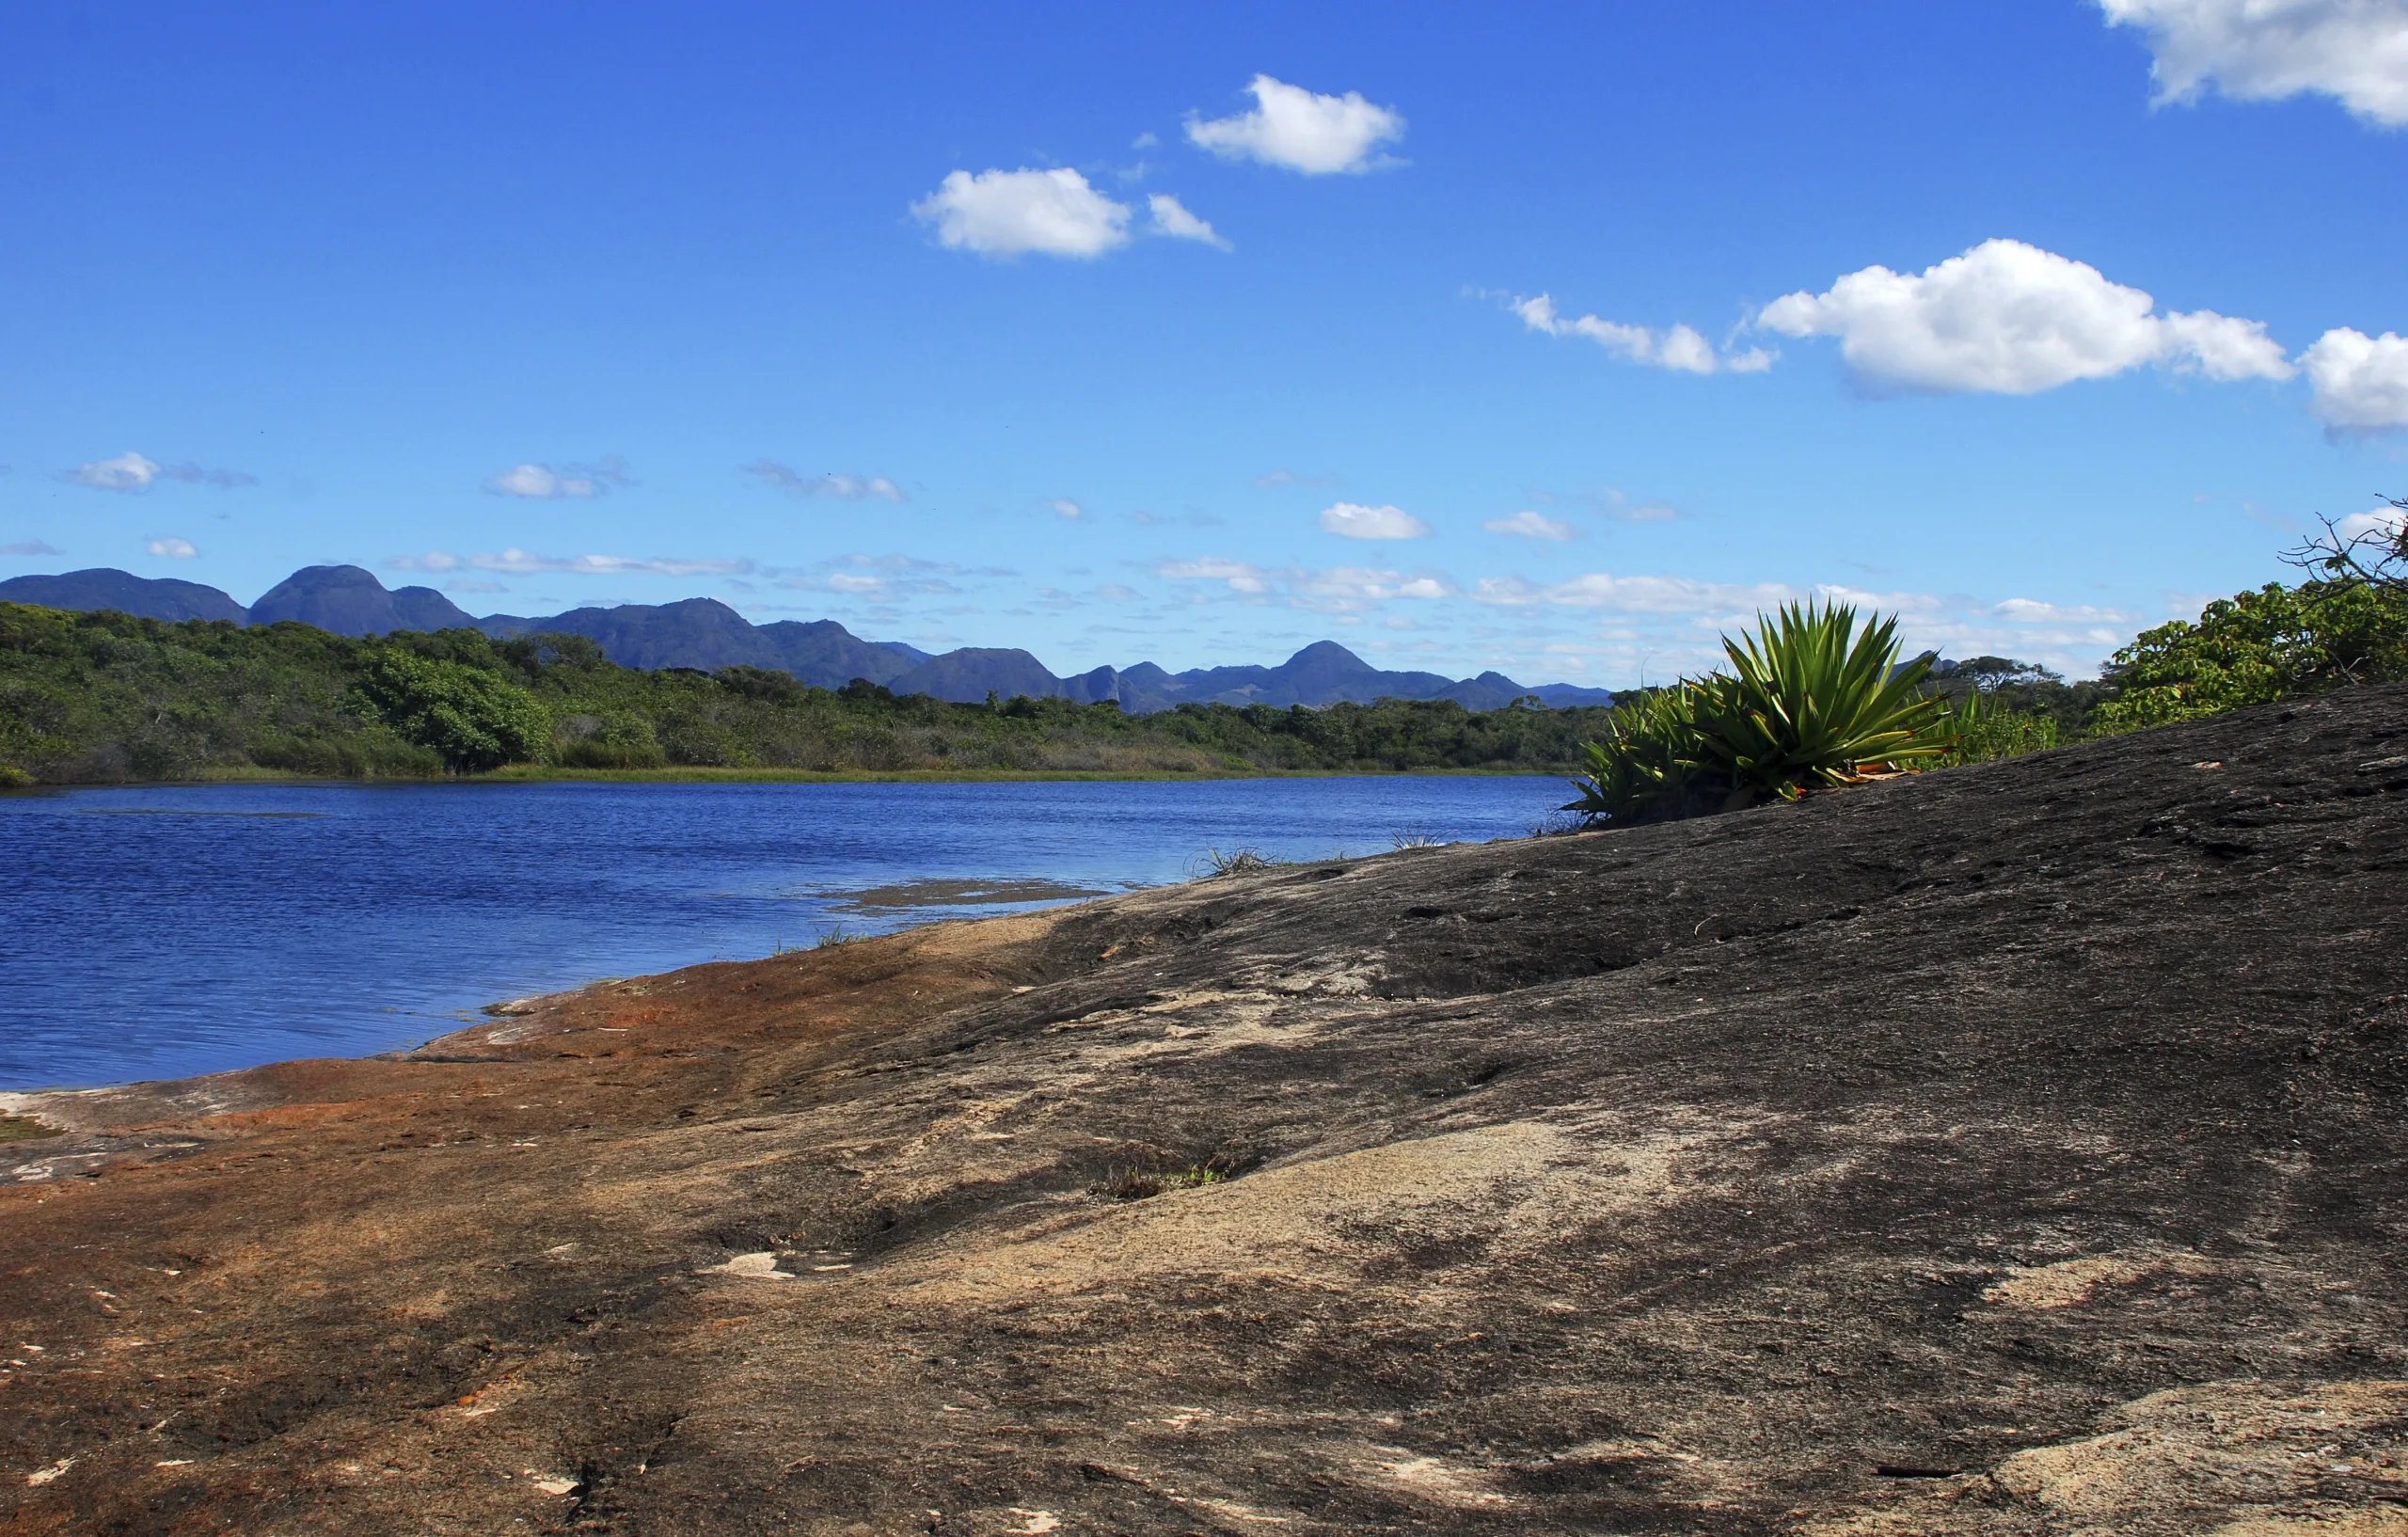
(1551, 339)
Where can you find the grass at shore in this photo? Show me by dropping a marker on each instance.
(538, 773)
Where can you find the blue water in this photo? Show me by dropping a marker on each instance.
(157, 932)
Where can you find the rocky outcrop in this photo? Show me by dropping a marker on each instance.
(2009, 1149)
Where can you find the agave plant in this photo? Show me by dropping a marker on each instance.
(1810, 700)
(1643, 766)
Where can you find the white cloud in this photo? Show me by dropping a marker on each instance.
(1527, 525)
(1288, 477)
(2265, 50)
(2384, 521)
(843, 487)
(1000, 213)
(2015, 320)
(1638, 594)
(1172, 218)
(525, 562)
(128, 472)
(1294, 128)
(173, 547)
(1341, 590)
(883, 577)
(1241, 576)
(2360, 381)
(544, 483)
(138, 472)
(1681, 348)
(1065, 507)
(1351, 589)
(2025, 611)
(29, 547)
(1352, 520)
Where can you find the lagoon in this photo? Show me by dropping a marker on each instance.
(163, 931)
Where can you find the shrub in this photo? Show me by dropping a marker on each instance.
(1986, 730)
(614, 739)
(1809, 700)
(472, 719)
(2256, 647)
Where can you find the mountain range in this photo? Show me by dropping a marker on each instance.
(706, 634)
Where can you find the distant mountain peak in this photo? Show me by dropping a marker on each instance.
(1329, 654)
(708, 633)
(106, 587)
(349, 600)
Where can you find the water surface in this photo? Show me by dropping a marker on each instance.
(160, 931)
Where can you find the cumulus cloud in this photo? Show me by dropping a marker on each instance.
(29, 547)
(126, 473)
(1681, 348)
(1172, 218)
(2012, 319)
(999, 212)
(843, 487)
(1352, 520)
(542, 483)
(2360, 381)
(171, 547)
(1301, 131)
(2356, 51)
(1065, 507)
(526, 563)
(1528, 525)
(132, 471)
(2384, 521)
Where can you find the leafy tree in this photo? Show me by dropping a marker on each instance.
(475, 718)
(2256, 647)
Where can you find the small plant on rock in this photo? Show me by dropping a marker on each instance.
(1238, 861)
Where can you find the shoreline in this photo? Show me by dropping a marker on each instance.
(697, 775)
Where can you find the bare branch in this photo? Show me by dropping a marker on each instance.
(2375, 555)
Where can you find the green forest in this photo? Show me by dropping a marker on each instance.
(100, 698)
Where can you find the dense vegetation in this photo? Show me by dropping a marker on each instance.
(100, 697)
(1809, 700)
